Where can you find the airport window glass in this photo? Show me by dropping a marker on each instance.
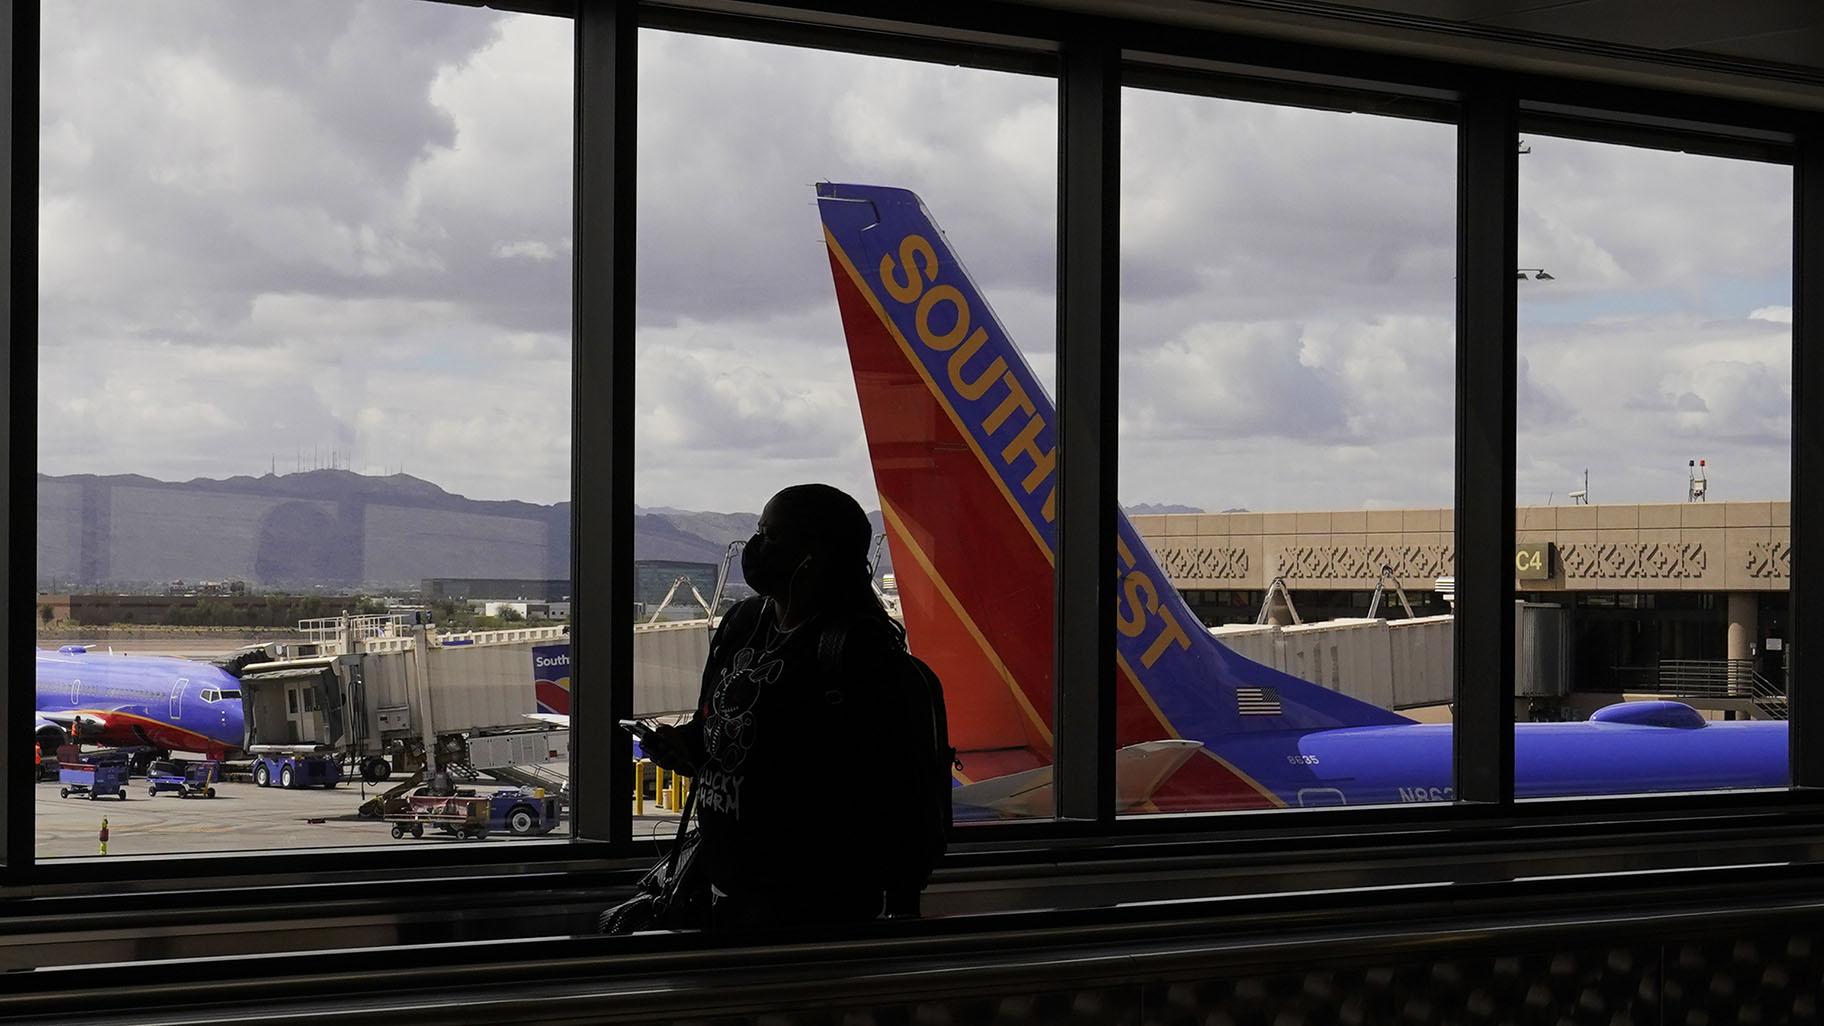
(1286, 448)
(805, 218)
(1654, 461)
(303, 419)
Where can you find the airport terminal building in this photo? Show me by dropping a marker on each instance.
(1678, 584)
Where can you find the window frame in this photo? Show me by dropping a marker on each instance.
(1092, 57)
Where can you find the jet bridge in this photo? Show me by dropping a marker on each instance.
(304, 702)
(390, 693)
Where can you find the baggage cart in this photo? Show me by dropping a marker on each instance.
(92, 779)
(185, 778)
(464, 815)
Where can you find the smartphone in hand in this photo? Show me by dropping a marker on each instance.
(663, 748)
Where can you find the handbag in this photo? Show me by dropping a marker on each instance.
(674, 893)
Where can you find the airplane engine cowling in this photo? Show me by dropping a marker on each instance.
(50, 738)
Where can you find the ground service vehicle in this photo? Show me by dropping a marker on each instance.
(185, 778)
(294, 766)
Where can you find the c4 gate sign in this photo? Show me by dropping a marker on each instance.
(1535, 561)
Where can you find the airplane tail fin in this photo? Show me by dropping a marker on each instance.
(961, 436)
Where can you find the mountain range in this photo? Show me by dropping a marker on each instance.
(336, 530)
(326, 529)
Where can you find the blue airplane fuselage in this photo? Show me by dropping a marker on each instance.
(128, 701)
(1412, 763)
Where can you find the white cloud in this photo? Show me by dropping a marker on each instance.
(1601, 216)
(268, 227)
(347, 223)
(525, 249)
(1640, 334)
(1641, 396)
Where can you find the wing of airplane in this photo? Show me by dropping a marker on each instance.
(83, 720)
(961, 436)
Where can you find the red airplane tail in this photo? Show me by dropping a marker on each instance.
(961, 437)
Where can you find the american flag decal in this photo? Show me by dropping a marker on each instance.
(1257, 701)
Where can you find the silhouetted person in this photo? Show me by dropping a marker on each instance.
(793, 757)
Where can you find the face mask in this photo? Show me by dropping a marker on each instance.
(769, 565)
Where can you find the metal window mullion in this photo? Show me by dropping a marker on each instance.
(19, 24)
(1483, 657)
(1089, 166)
(1805, 706)
(601, 467)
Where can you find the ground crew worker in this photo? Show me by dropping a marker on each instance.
(104, 835)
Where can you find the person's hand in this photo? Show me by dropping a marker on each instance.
(666, 746)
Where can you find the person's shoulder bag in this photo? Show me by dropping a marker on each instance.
(674, 893)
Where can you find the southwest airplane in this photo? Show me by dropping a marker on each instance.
(962, 440)
(137, 701)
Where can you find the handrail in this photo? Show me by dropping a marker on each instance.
(1722, 678)
(1280, 588)
(1728, 678)
(675, 975)
(1380, 591)
(250, 916)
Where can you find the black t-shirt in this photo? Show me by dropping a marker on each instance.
(785, 756)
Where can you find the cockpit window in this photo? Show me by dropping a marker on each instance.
(211, 695)
(230, 694)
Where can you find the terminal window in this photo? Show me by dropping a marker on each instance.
(1655, 443)
(304, 344)
(887, 331)
(1286, 448)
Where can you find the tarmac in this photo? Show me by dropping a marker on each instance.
(243, 817)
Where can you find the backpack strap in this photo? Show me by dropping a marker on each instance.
(832, 642)
(690, 802)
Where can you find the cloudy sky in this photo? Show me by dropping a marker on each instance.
(272, 227)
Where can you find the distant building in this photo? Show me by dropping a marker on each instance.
(206, 588)
(527, 610)
(653, 578)
(235, 610)
(470, 589)
(1645, 588)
